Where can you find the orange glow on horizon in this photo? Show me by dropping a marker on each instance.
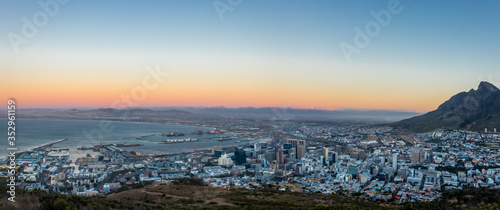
(231, 98)
(73, 92)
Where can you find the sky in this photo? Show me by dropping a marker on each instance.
(236, 53)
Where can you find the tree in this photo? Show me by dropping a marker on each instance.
(61, 204)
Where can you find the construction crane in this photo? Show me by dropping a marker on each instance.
(196, 149)
(285, 172)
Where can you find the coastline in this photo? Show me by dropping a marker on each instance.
(64, 135)
(110, 120)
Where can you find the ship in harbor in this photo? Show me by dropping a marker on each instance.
(127, 145)
(170, 134)
(215, 132)
(170, 141)
(175, 134)
(225, 139)
(198, 132)
(140, 137)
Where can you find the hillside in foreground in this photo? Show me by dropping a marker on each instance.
(162, 196)
(158, 196)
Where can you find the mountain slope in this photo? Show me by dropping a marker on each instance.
(473, 110)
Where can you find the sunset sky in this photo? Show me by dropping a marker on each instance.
(262, 53)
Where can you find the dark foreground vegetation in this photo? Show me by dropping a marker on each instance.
(190, 194)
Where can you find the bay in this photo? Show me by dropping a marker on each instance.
(32, 133)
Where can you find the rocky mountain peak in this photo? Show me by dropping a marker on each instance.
(473, 110)
(486, 88)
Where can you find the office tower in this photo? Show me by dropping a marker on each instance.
(218, 153)
(296, 142)
(335, 157)
(325, 156)
(299, 145)
(338, 149)
(270, 155)
(240, 157)
(395, 161)
(301, 151)
(415, 155)
(279, 155)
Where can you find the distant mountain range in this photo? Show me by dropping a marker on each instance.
(109, 112)
(220, 113)
(278, 113)
(474, 110)
(105, 113)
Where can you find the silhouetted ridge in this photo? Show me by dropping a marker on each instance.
(472, 110)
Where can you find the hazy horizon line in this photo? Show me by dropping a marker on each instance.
(236, 107)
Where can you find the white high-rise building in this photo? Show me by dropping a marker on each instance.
(224, 160)
(256, 147)
(395, 161)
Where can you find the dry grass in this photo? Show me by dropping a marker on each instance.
(200, 196)
(178, 194)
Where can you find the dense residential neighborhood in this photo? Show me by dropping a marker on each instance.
(371, 162)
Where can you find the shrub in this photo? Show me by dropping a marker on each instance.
(189, 181)
(61, 204)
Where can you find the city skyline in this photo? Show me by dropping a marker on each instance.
(255, 53)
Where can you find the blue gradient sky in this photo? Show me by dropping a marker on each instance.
(264, 53)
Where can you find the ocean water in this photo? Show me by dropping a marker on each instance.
(31, 133)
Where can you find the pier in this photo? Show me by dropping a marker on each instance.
(49, 144)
